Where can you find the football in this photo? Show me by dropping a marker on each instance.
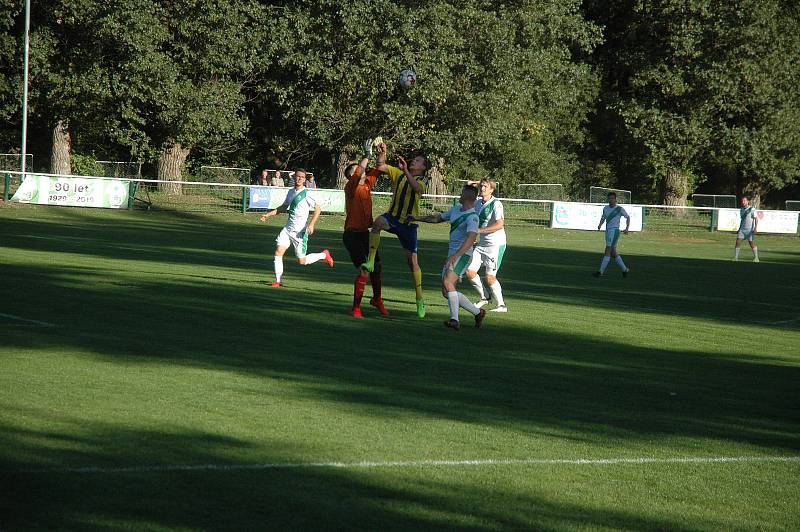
(407, 78)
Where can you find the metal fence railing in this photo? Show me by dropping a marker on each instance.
(193, 196)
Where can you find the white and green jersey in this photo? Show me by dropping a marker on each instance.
(613, 215)
(299, 203)
(748, 216)
(462, 222)
(488, 214)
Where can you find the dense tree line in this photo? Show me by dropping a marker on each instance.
(664, 97)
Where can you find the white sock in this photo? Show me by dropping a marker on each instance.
(755, 252)
(736, 252)
(604, 263)
(311, 258)
(497, 293)
(467, 305)
(278, 268)
(621, 264)
(476, 282)
(452, 302)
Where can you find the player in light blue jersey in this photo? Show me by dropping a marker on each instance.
(612, 213)
(463, 232)
(747, 228)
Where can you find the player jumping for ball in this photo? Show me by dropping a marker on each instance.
(297, 229)
(408, 186)
(463, 233)
(492, 246)
(747, 228)
(358, 220)
(611, 216)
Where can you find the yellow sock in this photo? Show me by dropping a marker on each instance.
(374, 243)
(417, 275)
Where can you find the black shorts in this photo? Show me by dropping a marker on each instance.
(357, 245)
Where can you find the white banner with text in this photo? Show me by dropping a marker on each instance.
(586, 216)
(73, 191)
(777, 222)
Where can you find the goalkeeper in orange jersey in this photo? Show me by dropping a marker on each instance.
(357, 223)
(408, 185)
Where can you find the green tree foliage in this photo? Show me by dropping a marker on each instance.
(10, 69)
(141, 75)
(496, 82)
(701, 84)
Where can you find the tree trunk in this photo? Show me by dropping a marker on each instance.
(437, 185)
(60, 160)
(170, 167)
(674, 188)
(342, 161)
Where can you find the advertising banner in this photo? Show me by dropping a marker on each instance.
(777, 222)
(73, 192)
(585, 216)
(272, 197)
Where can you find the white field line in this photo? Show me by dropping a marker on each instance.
(413, 463)
(27, 321)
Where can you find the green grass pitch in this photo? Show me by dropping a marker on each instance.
(136, 345)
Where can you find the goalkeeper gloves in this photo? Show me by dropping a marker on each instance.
(368, 148)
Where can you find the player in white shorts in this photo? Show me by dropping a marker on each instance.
(612, 213)
(297, 229)
(492, 246)
(463, 233)
(747, 228)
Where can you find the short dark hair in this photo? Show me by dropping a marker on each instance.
(472, 190)
(350, 170)
(747, 196)
(611, 194)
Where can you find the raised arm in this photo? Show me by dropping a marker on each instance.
(380, 163)
(401, 163)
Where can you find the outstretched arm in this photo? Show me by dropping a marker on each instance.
(431, 218)
(274, 212)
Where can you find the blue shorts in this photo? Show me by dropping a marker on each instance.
(407, 233)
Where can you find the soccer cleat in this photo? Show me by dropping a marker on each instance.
(452, 324)
(625, 273)
(328, 259)
(596, 274)
(378, 304)
(421, 308)
(756, 260)
(356, 313)
(500, 308)
(481, 302)
(479, 318)
(369, 266)
(276, 284)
